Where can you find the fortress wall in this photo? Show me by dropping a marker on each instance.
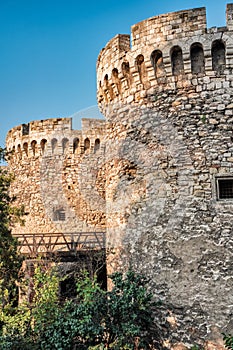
(171, 151)
(176, 25)
(168, 52)
(48, 159)
(158, 174)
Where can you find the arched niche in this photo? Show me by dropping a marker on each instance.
(43, 145)
(96, 145)
(19, 151)
(75, 145)
(218, 52)
(54, 145)
(141, 68)
(108, 88)
(116, 80)
(197, 59)
(177, 61)
(34, 147)
(65, 146)
(87, 144)
(125, 68)
(157, 63)
(25, 148)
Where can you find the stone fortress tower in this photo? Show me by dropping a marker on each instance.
(157, 175)
(167, 95)
(54, 167)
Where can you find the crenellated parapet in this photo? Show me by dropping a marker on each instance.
(54, 137)
(168, 52)
(157, 177)
(49, 159)
(166, 92)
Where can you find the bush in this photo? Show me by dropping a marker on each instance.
(95, 319)
(228, 339)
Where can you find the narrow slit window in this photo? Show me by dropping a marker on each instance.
(177, 61)
(97, 145)
(157, 63)
(54, 145)
(218, 56)
(86, 144)
(65, 146)
(75, 145)
(197, 59)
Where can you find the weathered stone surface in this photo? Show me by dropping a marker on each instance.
(54, 167)
(172, 120)
(152, 183)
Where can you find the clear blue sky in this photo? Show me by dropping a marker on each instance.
(49, 48)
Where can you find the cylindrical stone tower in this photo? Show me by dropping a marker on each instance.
(56, 175)
(167, 95)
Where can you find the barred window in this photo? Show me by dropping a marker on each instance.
(59, 215)
(224, 188)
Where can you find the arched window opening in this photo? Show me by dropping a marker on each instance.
(177, 61)
(33, 147)
(197, 59)
(157, 63)
(43, 145)
(25, 148)
(101, 93)
(115, 72)
(19, 151)
(108, 87)
(140, 64)
(54, 146)
(116, 80)
(86, 144)
(218, 56)
(97, 145)
(65, 146)
(139, 60)
(126, 73)
(75, 145)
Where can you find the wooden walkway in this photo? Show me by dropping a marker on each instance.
(47, 243)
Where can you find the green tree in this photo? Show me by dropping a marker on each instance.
(10, 260)
(95, 319)
(128, 319)
(118, 319)
(228, 339)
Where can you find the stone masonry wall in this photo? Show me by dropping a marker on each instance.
(153, 173)
(48, 160)
(168, 105)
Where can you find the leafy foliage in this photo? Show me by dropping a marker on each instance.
(228, 339)
(9, 258)
(95, 319)
(129, 311)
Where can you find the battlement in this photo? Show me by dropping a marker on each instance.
(158, 177)
(54, 136)
(170, 26)
(168, 52)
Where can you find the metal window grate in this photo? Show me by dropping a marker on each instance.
(59, 215)
(225, 188)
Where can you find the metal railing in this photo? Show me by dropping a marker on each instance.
(45, 243)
